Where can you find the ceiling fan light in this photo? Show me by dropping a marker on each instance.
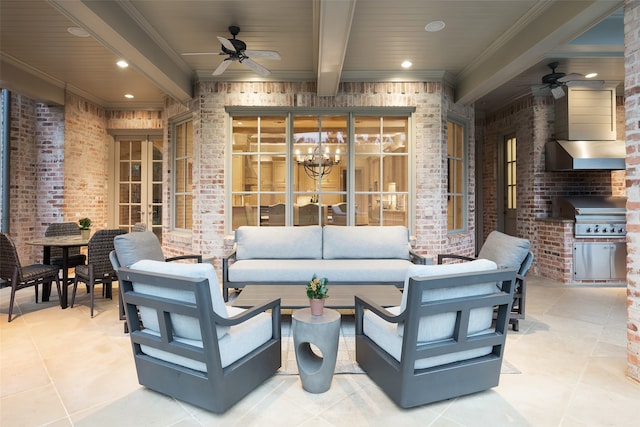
(557, 92)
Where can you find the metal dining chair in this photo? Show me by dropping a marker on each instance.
(20, 277)
(98, 268)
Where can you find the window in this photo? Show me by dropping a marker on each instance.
(510, 155)
(300, 168)
(456, 179)
(183, 175)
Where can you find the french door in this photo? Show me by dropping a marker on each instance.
(139, 183)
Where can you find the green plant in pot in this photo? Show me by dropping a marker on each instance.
(85, 227)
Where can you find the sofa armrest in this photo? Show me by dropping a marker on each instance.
(231, 256)
(442, 257)
(198, 258)
(416, 258)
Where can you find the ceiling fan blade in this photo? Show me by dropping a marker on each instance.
(202, 53)
(263, 54)
(227, 44)
(572, 76)
(259, 69)
(589, 83)
(223, 66)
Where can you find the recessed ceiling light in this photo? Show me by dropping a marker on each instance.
(128, 95)
(78, 32)
(406, 64)
(434, 26)
(122, 63)
(591, 75)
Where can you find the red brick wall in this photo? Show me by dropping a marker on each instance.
(86, 161)
(632, 126)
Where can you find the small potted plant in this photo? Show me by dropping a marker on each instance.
(317, 291)
(85, 227)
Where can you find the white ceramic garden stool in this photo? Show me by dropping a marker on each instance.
(316, 371)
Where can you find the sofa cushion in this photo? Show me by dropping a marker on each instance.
(132, 247)
(440, 326)
(239, 341)
(336, 270)
(184, 326)
(506, 251)
(279, 242)
(373, 242)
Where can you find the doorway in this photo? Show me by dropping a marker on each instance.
(139, 183)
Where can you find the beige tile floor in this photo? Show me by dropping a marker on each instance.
(567, 368)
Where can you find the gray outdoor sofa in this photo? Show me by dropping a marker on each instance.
(369, 255)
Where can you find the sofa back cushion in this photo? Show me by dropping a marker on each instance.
(183, 326)
(279, 242)
(372, 242)
(441, 326)
(506, 251)
(133, 247)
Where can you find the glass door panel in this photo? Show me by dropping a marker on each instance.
(139, 186)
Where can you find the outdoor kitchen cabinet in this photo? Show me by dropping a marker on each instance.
(599, 260)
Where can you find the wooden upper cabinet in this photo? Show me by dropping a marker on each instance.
(586, 114)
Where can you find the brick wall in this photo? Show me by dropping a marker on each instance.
(632, 126)
(86, 161)
(23, 180)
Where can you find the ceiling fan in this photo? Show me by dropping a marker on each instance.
(555, 80)
(236, 50)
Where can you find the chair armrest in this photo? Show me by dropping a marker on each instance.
(198, 258)
(416, 258)
(362, 303)
(273, 305)
(442, 257)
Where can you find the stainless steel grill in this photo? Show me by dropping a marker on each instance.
(595, 216)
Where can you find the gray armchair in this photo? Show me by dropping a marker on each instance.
(508, 252)
(188, 344)
(442, 342)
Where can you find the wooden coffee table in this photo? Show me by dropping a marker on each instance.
(340, 296)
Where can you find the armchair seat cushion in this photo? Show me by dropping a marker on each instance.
(336, 270)
(185, 327)
(239, 341)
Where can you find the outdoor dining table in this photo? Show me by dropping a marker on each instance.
(63, 242)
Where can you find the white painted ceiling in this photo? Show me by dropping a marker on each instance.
(491, 51)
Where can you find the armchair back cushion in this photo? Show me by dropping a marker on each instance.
(279, 242)
(506, 251)
(441, 326)
(184, 326)
(373, 242)
(133, 247)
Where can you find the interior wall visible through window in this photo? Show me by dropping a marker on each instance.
(456, 177)
(182, 169)
(300, 168)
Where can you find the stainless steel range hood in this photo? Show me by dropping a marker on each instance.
(565, 155)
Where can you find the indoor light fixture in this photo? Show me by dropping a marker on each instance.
(122, 63)
(317, 165)
(434, 26)
(406, 64)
